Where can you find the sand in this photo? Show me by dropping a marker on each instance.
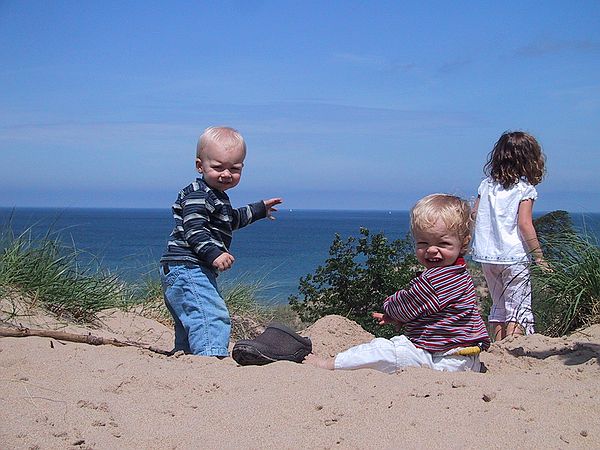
(538, 392)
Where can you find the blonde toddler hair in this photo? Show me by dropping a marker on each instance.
(226, 137)
(453, 210)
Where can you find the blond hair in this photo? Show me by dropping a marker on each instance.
(226, 137)
(453, 210)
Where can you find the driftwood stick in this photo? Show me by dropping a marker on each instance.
(72, 337)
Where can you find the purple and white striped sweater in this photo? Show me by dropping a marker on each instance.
(439, 310)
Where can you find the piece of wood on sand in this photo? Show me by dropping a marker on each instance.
(72, 337)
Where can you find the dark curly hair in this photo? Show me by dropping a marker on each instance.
(516, 155)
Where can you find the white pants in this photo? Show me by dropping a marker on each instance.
(510, 289)
(390, 355)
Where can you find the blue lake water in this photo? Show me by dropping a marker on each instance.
(131, 241)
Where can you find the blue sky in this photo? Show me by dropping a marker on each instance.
(344, 104)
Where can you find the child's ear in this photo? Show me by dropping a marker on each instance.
(198, 165)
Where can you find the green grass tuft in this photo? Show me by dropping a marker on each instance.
(48, 271)
(568, 297)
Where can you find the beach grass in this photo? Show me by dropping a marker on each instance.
(567, 297)
(48, 272)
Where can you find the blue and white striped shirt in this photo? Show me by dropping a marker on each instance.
(204, 222)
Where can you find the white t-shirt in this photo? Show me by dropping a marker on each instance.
(496, 239)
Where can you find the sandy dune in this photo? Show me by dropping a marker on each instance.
(538, 393)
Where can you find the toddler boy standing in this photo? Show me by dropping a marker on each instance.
(198, 247)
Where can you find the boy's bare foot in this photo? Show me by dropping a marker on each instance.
(322, 363)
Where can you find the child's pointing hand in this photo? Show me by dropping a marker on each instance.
(270, 205)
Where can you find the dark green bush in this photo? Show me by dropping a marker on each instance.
(356, 278)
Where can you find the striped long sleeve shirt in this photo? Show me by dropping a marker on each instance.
(204, 222)
(439, 310)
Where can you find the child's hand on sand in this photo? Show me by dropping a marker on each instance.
(270, 206)
(223, 262)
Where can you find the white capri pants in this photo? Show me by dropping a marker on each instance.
(390, 355)
(510, 289)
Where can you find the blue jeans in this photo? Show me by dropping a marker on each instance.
(202, 323)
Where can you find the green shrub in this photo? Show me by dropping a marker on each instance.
(358, 275)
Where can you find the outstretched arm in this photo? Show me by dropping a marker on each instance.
(254, 211)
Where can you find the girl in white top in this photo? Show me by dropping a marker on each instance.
(504, 238)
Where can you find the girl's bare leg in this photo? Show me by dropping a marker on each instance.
(514, 329)
(497, 330)
(323, 363)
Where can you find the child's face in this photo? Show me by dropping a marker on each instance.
(437, 246)
(222, 168)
